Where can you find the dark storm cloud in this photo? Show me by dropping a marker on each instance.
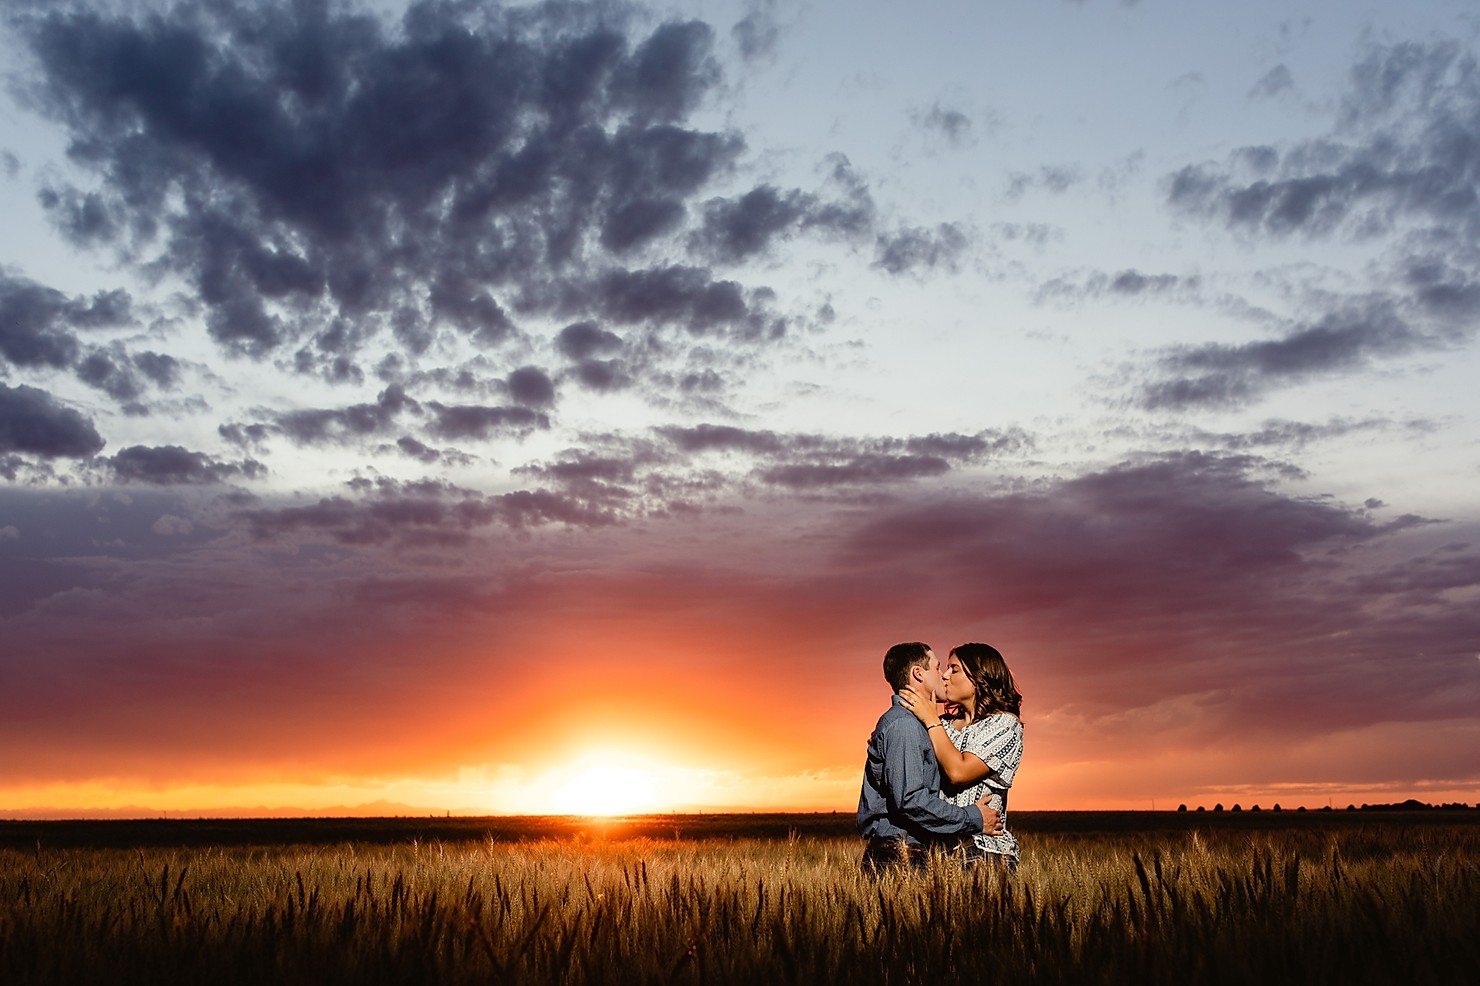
(583, 468)
(1189, 572)
(307, 168)
(1404, 149)
(532, 508)
(126, 377)
(32, 422)
(700, 382)
(244, 435)
(1291, 435)
(171, 465)
(686, 469)
(474, 377)
(329, 183)
(424, 513)
(674, 295)
(55, 529)
(480, 422)
(583, 340)
(1401, 163)
(394, 410)
(724, 438)
(1446, 294)
(736, 229)
(116, 379)
(160, 368)
(816, 462)
(429, 512)
(313, 426)
(37, 323)
(417, 450)
(810, 463)
(324, 164)
(1218, 375)
(602, 375)
(916, 249)
(532, 387)
(1428, 580)
(42, 328)
(969, 448)
(1184, 511)
(669, 73)
(616, 477)
(867, 467)
(584, 343)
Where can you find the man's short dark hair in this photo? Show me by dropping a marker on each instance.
(900, 658)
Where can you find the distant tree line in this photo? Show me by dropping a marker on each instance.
(1410, 805)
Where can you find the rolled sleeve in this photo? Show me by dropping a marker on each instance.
(999, 744)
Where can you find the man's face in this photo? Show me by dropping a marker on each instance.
(928, 680)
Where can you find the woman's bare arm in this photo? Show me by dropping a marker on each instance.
(959, 768)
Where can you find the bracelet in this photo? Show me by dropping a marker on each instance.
(933, 725)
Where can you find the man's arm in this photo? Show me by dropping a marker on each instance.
(912, 785)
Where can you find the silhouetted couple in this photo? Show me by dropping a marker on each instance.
(937, 783)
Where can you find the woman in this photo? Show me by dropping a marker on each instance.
(980, 744)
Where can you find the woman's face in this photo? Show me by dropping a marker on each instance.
(957, 686)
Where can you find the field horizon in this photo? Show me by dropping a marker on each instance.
(385, 830)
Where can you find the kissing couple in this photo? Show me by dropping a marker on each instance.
(935, 781)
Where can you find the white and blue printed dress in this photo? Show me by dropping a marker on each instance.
(998, 740)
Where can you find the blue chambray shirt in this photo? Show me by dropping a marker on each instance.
(901, 786)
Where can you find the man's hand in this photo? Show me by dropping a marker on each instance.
(991, 817)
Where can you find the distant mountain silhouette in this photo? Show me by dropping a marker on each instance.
(372, 809)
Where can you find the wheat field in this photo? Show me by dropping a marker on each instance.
(1303, 903)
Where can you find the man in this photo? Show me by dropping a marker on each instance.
(900, 810)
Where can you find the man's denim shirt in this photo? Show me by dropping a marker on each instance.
(901, 786)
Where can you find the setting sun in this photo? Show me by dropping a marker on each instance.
(607, 789)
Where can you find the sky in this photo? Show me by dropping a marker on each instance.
(531, 408)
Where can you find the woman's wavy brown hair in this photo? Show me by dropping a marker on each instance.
(990, 675)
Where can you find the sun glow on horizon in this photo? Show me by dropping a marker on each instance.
(613, 785)
(609, 789)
